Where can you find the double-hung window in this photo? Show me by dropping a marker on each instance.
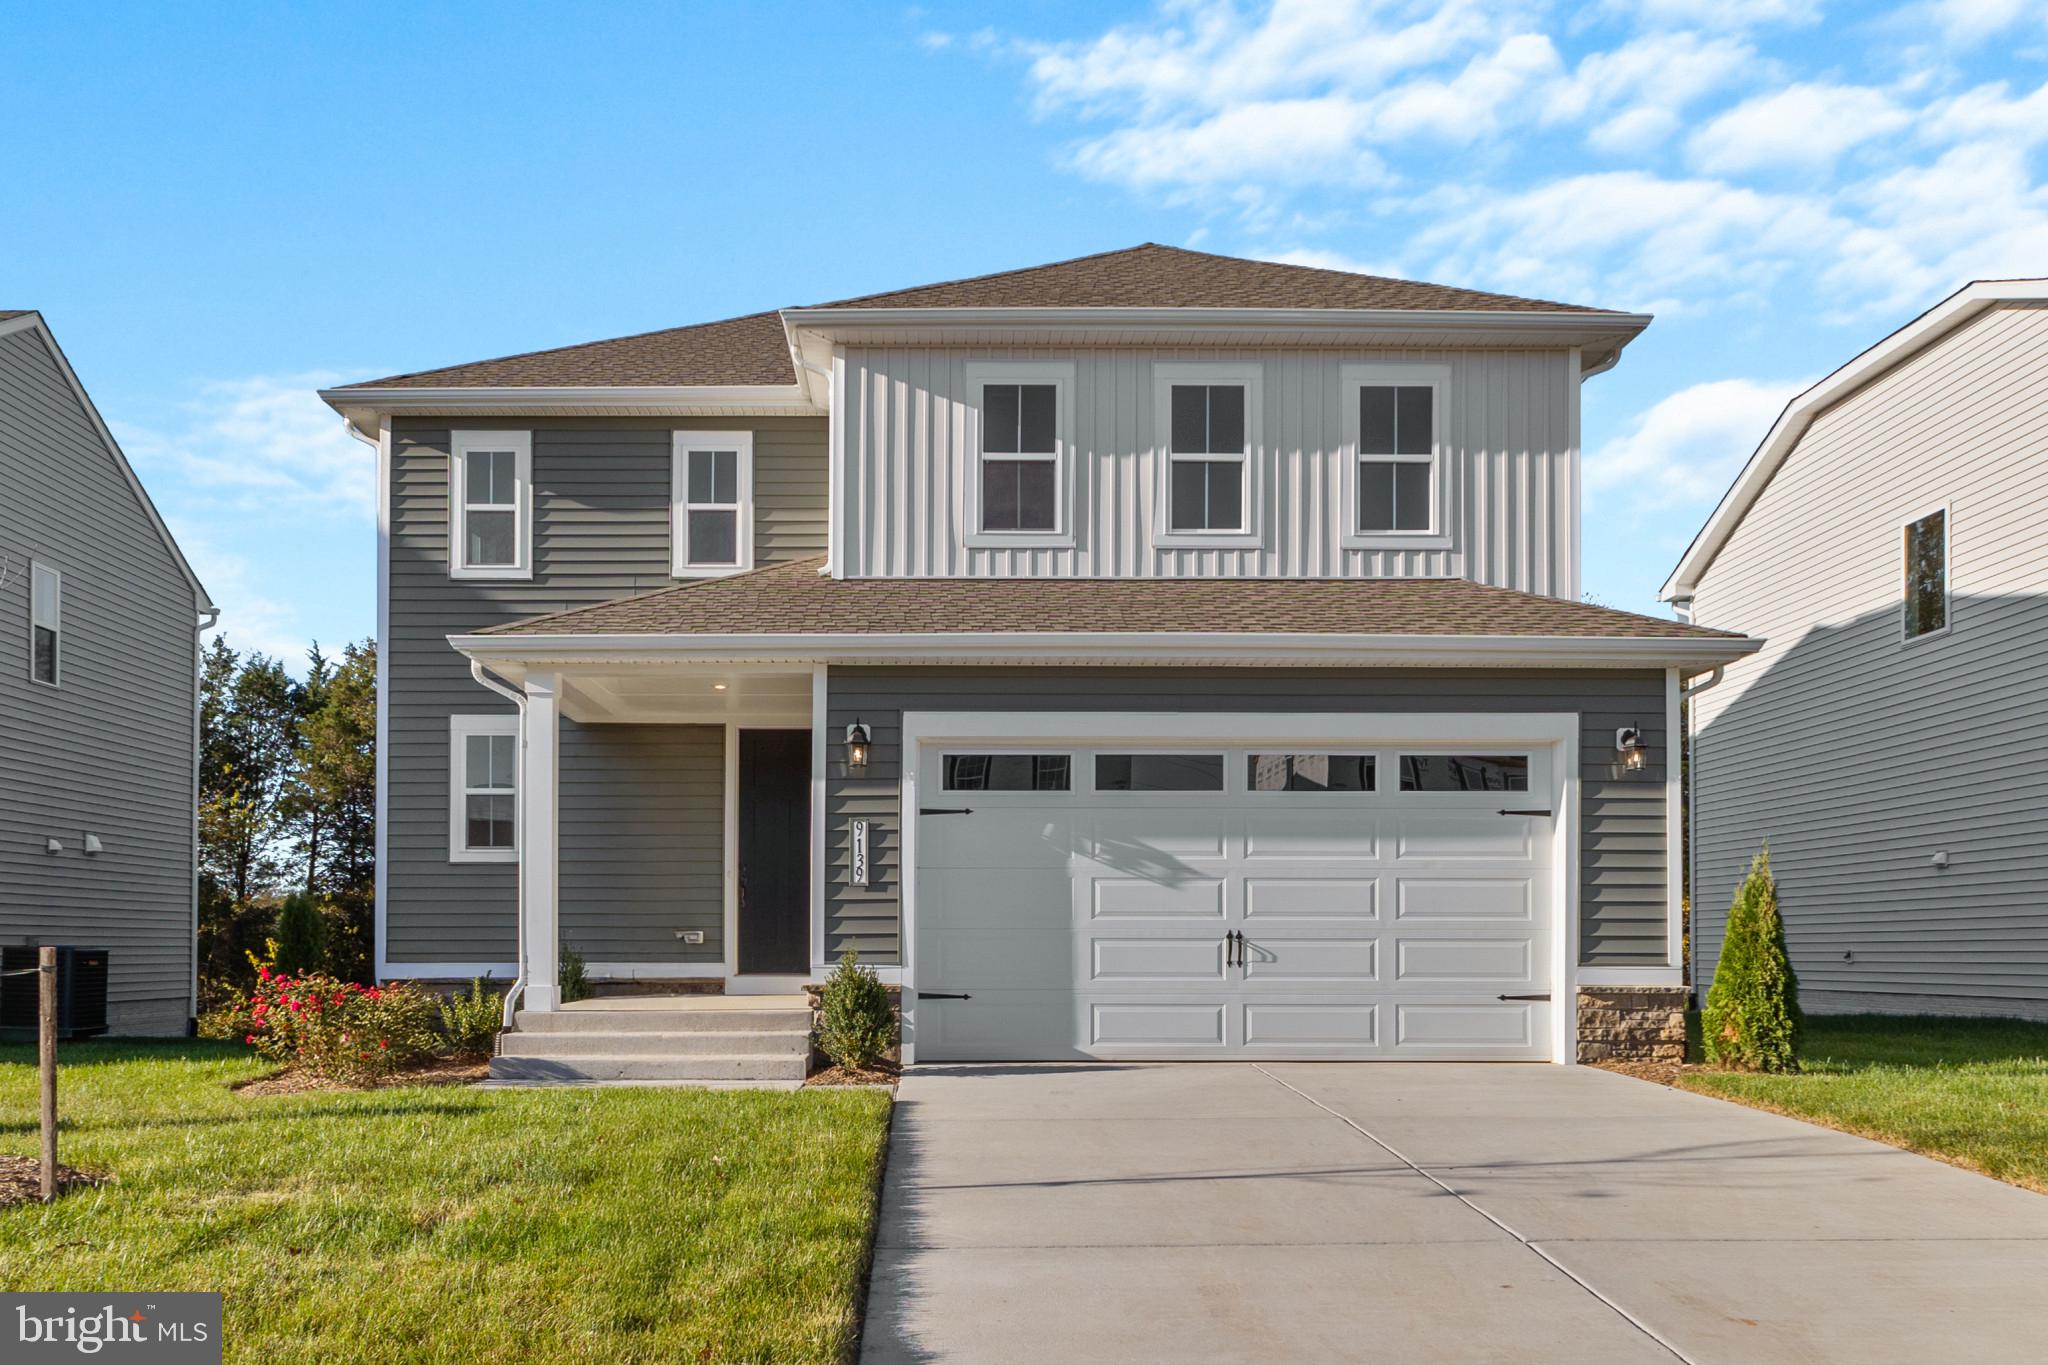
(1926, 553)
(1019, 453)
(46, 622)
(483, 789)
(712, 522)
(491, 500)
(1207, 415)
(1393, 426)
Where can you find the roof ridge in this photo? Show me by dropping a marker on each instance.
(998, 274)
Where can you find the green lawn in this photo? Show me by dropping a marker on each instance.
(454, 1224)
(1970, 1091)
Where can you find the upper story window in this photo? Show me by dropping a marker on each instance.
(1927, 574)
(46, 622)
(491, 501)
(712, 521)
(1020, 453)
(1207, 415)
(1393, 420)
(483, 788)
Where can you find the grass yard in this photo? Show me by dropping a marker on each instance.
(1969, 1091)
(450, 1224)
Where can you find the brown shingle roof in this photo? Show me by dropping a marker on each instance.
(753, 350)
(795, 599)
(6, 313)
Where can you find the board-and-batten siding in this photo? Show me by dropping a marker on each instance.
(601, 531)
(109, 751)
(1509, 432)
(1623, 870)
(1857, 755)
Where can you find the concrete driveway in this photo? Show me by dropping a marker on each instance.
(1407, 1213)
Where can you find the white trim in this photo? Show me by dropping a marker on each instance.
(688, 443)
(1631, 976)
(1558, 731)
(380, 934)
(1060, 374)
(37, 570)
(504, 972)
(1674, 829)
(540, 842)
(460, 729)
(1904, 528)
(1235, 648)
(1568, 512)
(836, 534)
(33, 321)
(1953, 312)
(366, 407)
(1437, 378)
(820, 750)
(461, 445)
(1248, 375)
(729, 855)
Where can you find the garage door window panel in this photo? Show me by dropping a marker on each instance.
(1464, 772)
(1309, 772)
(1009, 772)
(1159, 772)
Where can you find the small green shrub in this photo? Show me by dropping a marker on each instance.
(301, 936)
(338, 1029)
(573, 980)
(856, 1023)
(470, 1020)
(1751, 1021)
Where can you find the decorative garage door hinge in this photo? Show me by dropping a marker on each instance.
(1525, 812)
(945, 810)
(1544, 996)
(944, 995)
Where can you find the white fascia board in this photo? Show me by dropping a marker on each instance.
(1951, 313)
(33, 321)
(365, 405)
(1249, 649)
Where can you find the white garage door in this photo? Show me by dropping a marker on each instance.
(1340, 902)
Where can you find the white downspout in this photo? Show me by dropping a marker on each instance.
(518, 700)
(211, 617)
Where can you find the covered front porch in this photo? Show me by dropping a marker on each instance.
(670, 825)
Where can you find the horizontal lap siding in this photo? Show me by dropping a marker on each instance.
(1509, 431)
(110, 751)
(601, 531)
(1623, 865)
(1858, 756)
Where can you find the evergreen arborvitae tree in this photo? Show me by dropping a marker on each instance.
(1752, 1019)
(301, 935)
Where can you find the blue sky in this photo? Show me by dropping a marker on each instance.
(219, 209)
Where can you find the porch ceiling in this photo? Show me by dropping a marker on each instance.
(680, 694)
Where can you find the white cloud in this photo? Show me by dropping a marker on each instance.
(1800, 126)
(1722, 14)
(1976, 213)
(262, 439)
(1636, 92)
(1990, 111)
(1965, 22)
(251, 617)
(1687, 447)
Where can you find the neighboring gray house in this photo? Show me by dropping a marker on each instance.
(99, 695)
(1154, 654)
(1889, 539)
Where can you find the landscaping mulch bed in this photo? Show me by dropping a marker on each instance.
(1663, 1073)
(21, 1179)
(882, 1073)
(439, 1072)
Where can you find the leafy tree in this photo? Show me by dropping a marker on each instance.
(301, 935)
(1752, 1020)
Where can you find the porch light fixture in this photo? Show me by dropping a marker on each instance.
(1628, 740)
(858, 738)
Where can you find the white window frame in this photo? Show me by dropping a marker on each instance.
(36, 569)
(679, 504)
(1948, 605)
(461, 445)
(1249, 376)
(1438, 379)
(460, 728)
(1059, 374)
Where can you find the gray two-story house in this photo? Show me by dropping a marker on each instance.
(1154, 654)
(99, 694)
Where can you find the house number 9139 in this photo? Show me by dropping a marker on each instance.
(860, 853)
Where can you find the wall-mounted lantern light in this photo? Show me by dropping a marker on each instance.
(858, 740)
(1629, 741)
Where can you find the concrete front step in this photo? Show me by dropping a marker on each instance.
(584, 1070)
(783, 1043)
(780, 1020)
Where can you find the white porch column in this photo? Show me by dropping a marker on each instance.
(539, 849)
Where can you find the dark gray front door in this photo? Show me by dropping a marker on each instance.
(775, 851)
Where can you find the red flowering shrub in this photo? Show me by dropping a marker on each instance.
(338, 1029)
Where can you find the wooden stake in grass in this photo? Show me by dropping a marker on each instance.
(46, 1057)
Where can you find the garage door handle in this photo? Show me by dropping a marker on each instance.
(943, 995)
(1544, 996)
(1525, 812)
(945, 810)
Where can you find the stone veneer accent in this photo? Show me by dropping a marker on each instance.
(1632, 1023)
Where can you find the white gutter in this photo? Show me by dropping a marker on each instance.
(362, 406)
(205, 620)
(518, 700)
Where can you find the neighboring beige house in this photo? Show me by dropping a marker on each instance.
(1889, 540)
